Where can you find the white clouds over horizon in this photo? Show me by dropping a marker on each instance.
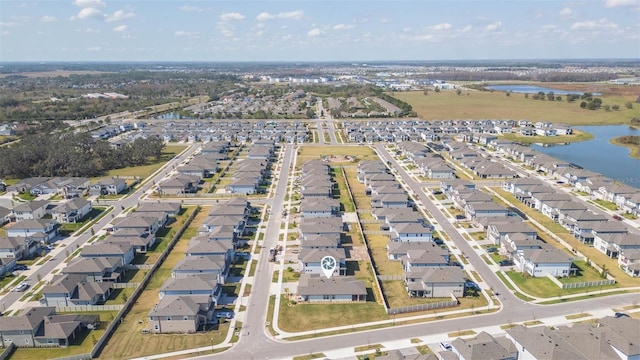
(290, 15)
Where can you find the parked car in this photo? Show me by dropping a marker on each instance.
(617, 217)
(505, 263)
(20, 267)
(445, 346)
(224, 314)
(21, 287)
(491, 250)
(619, 315)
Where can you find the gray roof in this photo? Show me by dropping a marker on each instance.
(176, 306)
(194, 282)
(27, 320)
(336, 285)
(485, 346)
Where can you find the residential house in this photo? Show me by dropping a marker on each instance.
(30, 210)
(108, 186)
(629, 262)
(484, 346)
(474, 211)
(122, 251)
(544, 261)
(44, 229)
(179, 314)
(310, 260)
(435, 282)
(41, 327)
(96, 269)
(612, 244)
(497, 231)
(217, 265)
(180, 184)
(411, 232)
(71, 211)
(319, 289)
(74, 290)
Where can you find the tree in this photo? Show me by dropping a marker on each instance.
(437, 89)
(615, 107)
(583, 104)
(606, 107)
(458, 91)
(628, 105)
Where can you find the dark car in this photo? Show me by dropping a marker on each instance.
(619, 315)
(505, 263)
(617, 217)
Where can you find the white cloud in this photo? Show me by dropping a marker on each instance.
(89, 3)
(88, 13)
(466, 29)
(566, 13)
(94, 48)
(314, 32)
(119, 16)
(343, 27)
(440, 27)
(264, 16)
(231, 16)
(290, 15)
(48, 19)
(189, 8)
(616, 3)
(182, 33)
(120, 28)
(8, 24)
(494, 26)
(594, 25)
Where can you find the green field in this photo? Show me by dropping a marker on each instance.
(495, 105)
(634, 149)
(168, 153)
(560, 139)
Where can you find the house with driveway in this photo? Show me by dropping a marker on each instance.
(179, 314)
(35, 209)
(435, 282)
(108, 186)
(545, 261)
(71, 211)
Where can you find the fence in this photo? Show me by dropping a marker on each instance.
(138, 267)
(422, 307)
(125, 285)
(588, 284)
(390, 277)
(75, 357)
(6, 353)
(97, 348)
(87, 308)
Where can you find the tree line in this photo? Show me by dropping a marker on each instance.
(69, 154)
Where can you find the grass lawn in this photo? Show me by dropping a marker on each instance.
(543, 287)
(634, 149)
(128, 341)
(302, 317)
(343, 192)
(560, 139)
(142, 171)
(315, 152)
(585, 273)
(606, 204)
(495, 105)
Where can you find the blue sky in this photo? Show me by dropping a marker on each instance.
(347, 30)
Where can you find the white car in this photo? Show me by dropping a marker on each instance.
(445, 346)
(21, 287)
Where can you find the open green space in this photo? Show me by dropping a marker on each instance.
(142, 171)
(306, 153)
(543, 287)
(495, 105)
(559, 139)
(630, 142)
(303, 317)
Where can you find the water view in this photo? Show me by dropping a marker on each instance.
(600, 155)
(531, 89)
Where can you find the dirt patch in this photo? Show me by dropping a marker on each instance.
(356, 253)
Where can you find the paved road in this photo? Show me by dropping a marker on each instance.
(10, 300)
(254, 337)
(326, 119)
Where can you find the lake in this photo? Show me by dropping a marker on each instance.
(600, 155)
(531, 89)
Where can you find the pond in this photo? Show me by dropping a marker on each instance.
(532, 89)
(600, 155)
